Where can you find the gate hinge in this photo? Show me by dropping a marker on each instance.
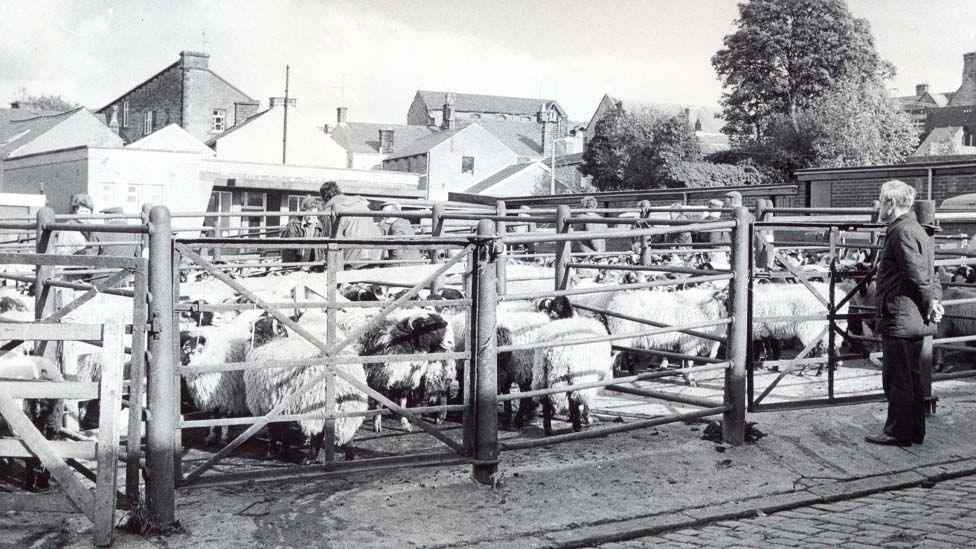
(152, 325)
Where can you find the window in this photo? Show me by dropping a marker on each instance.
(147, 123)
(293, 204)
(108, 194)
(125, 113)
(220, 201)
(218, 120)
(467, 165)
(253, 202)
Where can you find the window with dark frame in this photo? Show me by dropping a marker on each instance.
(147, 123)
(125, 113)
(467, 165)
(218, 120)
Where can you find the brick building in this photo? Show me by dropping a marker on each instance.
(187, 93)
(428, 107)
(705, 121)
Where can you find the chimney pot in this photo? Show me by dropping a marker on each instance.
(113, 121)
(327, 129)
(341, 114)
(280, 101)
(447, 115)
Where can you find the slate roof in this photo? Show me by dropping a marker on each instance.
(170, 138)
(932, 100)
(472, 102)
(525, 139)
(9, 115)
(364, 137)
(709, 116)
(943, 135)
(424, 144)
(18, 132)
(236, 127)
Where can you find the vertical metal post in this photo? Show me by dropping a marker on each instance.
(764, 260)
(563, 249)
(645, 241)
(481, 421)
(161, 430)
(925, 212)
(334, 259)
(177, 377)
(436, 230)
(43, 294)
(734, 419)
(137, 387)
(501, 263)
(831, 322)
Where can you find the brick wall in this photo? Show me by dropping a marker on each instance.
(206, 91)
(161, 95)
(862, 192)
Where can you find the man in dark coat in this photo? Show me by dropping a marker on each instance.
(907, 309)
(397, 227)
(306, 225)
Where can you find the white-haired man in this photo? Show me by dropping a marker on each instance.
(907, 309)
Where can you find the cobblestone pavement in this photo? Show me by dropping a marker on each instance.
(943, 516)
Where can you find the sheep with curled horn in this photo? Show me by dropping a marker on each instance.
(410, 332)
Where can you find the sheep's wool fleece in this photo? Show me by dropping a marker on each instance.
(959, 319)
(524, 327)
(569, 365)
(791, 300)
(266, 387)
(682, 307)
(219, 391)
(388, 338)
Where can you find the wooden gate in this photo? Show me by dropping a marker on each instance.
(97, 504)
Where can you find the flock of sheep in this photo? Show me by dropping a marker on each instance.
(551, 326)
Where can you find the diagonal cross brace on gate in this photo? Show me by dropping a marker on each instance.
(802, 278)
(329, 351)
(71, 307)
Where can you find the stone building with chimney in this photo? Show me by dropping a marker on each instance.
(950, 127)
(428, 107)
(187, 93)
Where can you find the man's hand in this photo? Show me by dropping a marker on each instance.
(936, 310)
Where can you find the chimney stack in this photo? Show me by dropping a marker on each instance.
(969, 65)
(280, 102)
(447, 115)
(921, 89)
(341, 114)
(386, 140)
(194, 60)
(113, 121)
(546, 118)
(327, 129)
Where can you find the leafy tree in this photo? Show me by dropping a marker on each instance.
(46, 102)
(628, 149)
(787, 53)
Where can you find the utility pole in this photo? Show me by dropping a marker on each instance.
(284, 132)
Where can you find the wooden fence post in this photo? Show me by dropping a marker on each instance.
(161, 430)
(501, 262)
(44, 303)
(734, 419)
(436, 230)
(481, 419)
(925, 212)
(563, 249)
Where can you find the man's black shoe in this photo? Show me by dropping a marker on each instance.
(886, 440)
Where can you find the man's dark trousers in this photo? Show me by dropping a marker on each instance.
(901, 378)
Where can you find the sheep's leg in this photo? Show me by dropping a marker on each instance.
(527, 407)
(377, 419)
(348, 453)
(689, 378)
(404, 422)
(442, 415)
(547, 412)
(938, 359)
(574, 412)
(315, 447)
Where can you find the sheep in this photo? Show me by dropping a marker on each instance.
(958, 319)
(362, 292)
(219, 392)
(790, 300)
(676, 308)
(564, 366)
(410, 331)
(265, 388)
(45, 414)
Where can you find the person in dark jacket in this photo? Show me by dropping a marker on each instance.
(680, 240)
(306, 225)
(339, 226)
(397, 226)
(907, 309)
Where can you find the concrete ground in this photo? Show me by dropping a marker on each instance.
(575, 494)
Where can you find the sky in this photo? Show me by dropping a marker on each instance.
(371, 56)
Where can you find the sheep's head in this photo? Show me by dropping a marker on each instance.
(556, 307)
(426, 328)
(8, 304)
(266, 328)
(362, 292)
(190, 346)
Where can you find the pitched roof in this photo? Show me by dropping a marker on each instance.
(424, 144)
(17, 133)
(498, 177)
(236, 127)
(171, 138)
(364, 137)
(944, 135)
(524, 138)
(10, 115)
(472, 102)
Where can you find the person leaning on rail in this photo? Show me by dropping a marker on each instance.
(306, 225)
(335, 225)
(397, 227)
(78, 242)
(595, 245)
(906, 309)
